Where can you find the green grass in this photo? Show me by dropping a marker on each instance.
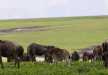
(75, 33)
(76, 68)
(53, 21)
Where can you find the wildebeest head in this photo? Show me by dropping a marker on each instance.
(105, 46)
(75, 56)
(19, 51)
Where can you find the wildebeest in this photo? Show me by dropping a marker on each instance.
(97, 51)
(75, 56)
(51, 53)
(105, 53)
(88, 56)
(11, 51)
(57, 54)
(35, 50)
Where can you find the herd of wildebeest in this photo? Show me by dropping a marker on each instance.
(52, 54)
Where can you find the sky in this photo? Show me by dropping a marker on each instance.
(12, 9)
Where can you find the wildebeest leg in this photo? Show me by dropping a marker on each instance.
(48, 59)
(68, 60)
(106, 64)
(105, 60)
(33, 58)
(55, 59)
(2, 66)
(17, 61)
(85, 58)
(8, 59)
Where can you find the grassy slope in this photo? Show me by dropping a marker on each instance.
(76, 32)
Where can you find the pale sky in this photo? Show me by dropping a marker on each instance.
(10, 9)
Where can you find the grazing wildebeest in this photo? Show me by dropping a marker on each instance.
(88, 56)
(97, 51)
(35, 50)
(105, 53)
(11, 51)
(51, 53)
(75, 56)
(57, 54)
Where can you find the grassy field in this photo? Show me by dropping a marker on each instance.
(75, 32)
(76, 68)
(70, 33)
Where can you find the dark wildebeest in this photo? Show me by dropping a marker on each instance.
(88, 56)
(105, 53)
(11, 51)
(51, 53)
(35, 50)
(57, 54)
(75, 56)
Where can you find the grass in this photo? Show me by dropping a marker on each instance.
(53, 21)
(76, 68)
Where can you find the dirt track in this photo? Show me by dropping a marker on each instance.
(29, 29)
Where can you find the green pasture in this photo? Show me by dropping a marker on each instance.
(70, 32)
(76, 68)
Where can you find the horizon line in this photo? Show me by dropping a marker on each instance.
(54, 17)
